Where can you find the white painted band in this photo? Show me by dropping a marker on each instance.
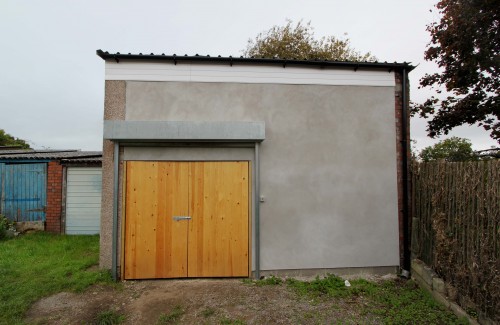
(194, 72)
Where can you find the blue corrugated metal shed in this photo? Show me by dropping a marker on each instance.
(23, 191)
(23, 180)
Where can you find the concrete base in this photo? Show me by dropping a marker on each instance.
(351, 272)
(25, 226)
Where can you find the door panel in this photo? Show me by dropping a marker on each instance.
(83, 200)
(155, 244)
(218, 231)
(24, 191)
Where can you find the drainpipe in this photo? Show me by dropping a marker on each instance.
(257, 212)
(405, 272)
(114, 245)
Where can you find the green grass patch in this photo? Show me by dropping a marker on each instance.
(229, 321)
(331, 286)
(39, 264)
(393, 301)
(269, 281)
(403, 302)
(207, 312)
(109, 317)
(247, 281)
(172, 317)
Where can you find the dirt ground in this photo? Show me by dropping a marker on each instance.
(202, 301)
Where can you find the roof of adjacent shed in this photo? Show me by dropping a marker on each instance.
(253, 60)
(49, 155)
(86, 160)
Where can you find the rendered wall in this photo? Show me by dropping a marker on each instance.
(328, 164)
(114, 109)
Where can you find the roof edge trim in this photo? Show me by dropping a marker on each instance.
(232, 60)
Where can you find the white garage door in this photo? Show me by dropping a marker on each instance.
(83, 200)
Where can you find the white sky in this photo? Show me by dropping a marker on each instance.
(52, 82)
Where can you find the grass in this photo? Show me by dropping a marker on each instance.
(331, 286)
(37, 265)
(41, 264)
(403, 302)
(109, 317)
(271, 280)
(207, 312)
(229, 321)
(172, 317)
(392, 301)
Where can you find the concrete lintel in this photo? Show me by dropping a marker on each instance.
(153, 131)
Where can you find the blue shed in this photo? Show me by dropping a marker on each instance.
(23, 190)
(33, 190)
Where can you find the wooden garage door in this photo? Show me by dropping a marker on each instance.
(186, 219)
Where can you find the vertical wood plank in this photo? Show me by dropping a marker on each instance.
(249, 223)
(122, 222)
(155, 244)
(218, 232)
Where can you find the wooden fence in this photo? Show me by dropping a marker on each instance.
(456, 227)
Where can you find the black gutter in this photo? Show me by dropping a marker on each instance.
(404, 143)
(231, 60)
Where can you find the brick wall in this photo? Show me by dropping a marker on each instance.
(399, 149)
(54, 197)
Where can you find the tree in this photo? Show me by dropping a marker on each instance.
(452, 149)
(299, 42)
(465, 44)
(8, 140)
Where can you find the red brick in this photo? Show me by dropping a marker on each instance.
(54, 197)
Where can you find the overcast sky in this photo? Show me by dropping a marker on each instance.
(52, 82)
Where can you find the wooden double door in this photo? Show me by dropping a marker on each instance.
(186, 219)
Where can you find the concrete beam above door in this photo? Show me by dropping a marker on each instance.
(154, 131)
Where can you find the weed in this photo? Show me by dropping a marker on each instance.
(109, 317)
(269, 281)
(330, 285)
(172, 317)
(228, 321)
(362, 287)
(472, 312)
(402, 302)
(308, 315)
(39, 264)
(394, 302)
(6, 227)
(207, 312)
(247, 281)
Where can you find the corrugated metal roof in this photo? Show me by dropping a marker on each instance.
(94, 160)
(13, 151)
(254, 60)
(48, 154)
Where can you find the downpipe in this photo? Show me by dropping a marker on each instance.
(405, 272)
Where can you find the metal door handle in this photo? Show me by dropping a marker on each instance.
(178, 218)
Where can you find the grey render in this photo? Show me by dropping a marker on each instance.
(328, 164)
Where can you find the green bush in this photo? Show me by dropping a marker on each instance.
(6, 226)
